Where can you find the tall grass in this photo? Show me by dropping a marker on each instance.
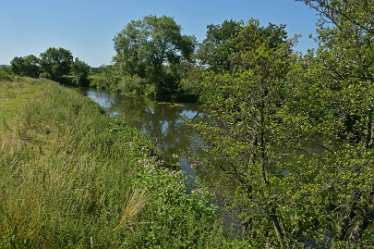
(70, 175)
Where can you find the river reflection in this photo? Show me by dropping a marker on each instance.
(162, 122)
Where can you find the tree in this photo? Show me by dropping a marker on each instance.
(80, 71)
(335, 186)
(56, 63)
(217, 47)
(346, 31)
(243, 99)
(333, 99)
(26, 66)
(151, 49)
(290, 142)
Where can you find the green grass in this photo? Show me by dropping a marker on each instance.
(73, 177)
(64, 165)
(14, 96)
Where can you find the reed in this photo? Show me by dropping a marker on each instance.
(134, 206)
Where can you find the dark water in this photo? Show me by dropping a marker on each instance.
(162, 122)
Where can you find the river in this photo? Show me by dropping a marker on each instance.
(162, 122)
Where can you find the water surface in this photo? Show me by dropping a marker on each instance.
(162, 122)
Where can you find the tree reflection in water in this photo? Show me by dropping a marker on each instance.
(162, 122)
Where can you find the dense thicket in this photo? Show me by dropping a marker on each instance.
(55, 64)
(26, 66)
(290, 140)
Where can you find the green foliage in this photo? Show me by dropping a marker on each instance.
(173, 212)
(332, 97)
(216, 49)
(79, 72)
(110, 78)
(132, 85)
(65, 191)
(288, 145)
(56, 63)
(180, 220)
(290, 140)
(151, 49)
(26, 66)
(104, 77)
(244, 99)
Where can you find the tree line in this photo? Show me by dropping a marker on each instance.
(153, 59)
(55, 64)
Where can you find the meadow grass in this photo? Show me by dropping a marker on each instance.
(66, 168)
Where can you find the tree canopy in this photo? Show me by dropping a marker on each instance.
(26, 66)
(290, 141)
(244, 99)
(152, 49)
(56, 62)
(216, 49)
(79, 72)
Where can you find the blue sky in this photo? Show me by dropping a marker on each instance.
(87, 27)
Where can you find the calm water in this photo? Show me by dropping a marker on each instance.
(162, 122)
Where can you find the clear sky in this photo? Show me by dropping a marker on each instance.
(87, 27)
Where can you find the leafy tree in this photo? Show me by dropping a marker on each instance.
(242, 141)
(290, 143)
(346, 31)
(151, 49)
(333, 99)
(26, 66)
(56, 63)
(217, 47)
(191, 77)
(80, 71)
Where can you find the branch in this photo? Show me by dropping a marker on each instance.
(324, 8)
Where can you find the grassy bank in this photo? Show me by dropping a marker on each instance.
(73, 177)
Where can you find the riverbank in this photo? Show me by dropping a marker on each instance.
(74, 177)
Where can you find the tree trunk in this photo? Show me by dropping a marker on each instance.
(262, 140)
(277, 227)
(272, 212)
(369, 135)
